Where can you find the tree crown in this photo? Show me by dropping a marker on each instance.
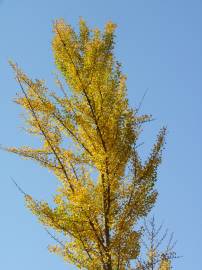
(89, 138)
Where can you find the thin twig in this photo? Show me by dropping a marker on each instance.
(18, 187)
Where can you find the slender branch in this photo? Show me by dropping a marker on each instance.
(44, 133)
(142, 100)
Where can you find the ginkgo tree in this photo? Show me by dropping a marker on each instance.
(89, 137)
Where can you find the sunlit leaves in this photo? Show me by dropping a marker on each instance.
(88, 140)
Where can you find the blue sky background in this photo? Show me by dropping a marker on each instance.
(160, 46)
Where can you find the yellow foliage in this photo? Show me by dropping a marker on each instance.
(88, 137)
(165, 264)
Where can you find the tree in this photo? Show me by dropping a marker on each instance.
(89, 138)
(152, 257)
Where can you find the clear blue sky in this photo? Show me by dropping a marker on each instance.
(160, 46)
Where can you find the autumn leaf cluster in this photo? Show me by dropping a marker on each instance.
(89, 137)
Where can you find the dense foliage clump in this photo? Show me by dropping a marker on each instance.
(88, 137)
